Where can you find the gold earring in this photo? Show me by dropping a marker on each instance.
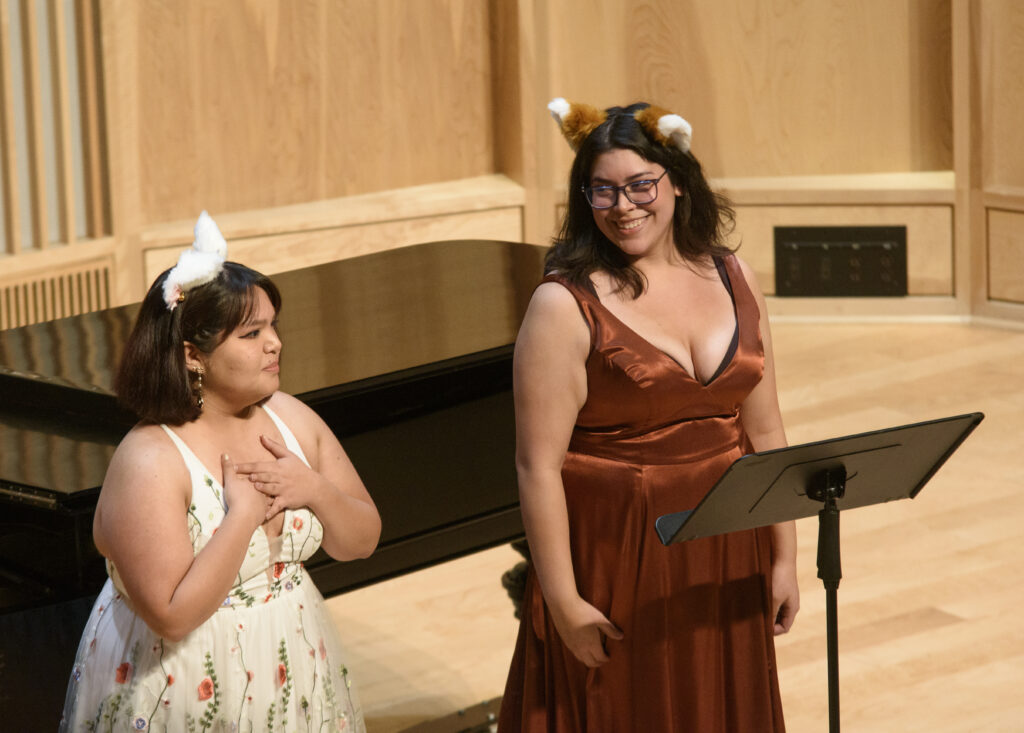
(199, 388)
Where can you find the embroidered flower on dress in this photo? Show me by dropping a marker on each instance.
(170, 679)
(323, 650)
(282, 675)
(297, 523)
(250, 674)
(124, 673)
(278, 569)
(205, 689)
(288, 585)
(140, 723)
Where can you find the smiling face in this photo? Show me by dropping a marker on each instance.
(639, 230)
(244, 368)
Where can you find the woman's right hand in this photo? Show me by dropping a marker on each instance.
(582, 628)
(240, 496)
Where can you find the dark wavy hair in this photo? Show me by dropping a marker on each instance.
(700, 223)
(152, 380)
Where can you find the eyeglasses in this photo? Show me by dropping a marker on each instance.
(638, 192)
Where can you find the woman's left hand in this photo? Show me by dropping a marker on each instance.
(785, 595)
(286, 480)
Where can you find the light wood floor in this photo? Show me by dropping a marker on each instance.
(932, 598)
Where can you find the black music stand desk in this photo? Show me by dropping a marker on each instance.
(842, 473)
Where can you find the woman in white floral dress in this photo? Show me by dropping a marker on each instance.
(209, 622)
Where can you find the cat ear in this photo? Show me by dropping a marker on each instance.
(576, 120)
(666, 128)
(197, 265)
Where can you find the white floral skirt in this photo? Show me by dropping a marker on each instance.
(275, 665)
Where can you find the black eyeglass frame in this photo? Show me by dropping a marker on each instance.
(588, 192)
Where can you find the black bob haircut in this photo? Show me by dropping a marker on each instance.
(152, 380)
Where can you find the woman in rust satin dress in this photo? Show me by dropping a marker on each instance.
(642, 370)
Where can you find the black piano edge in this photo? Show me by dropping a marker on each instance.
(350, 409)
(80, 501)
(56, 406)
(381, 400)
(417, 552)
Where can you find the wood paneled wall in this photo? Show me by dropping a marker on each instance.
(255, 104)
(773, 87)
(1001, 58)
(269, 113)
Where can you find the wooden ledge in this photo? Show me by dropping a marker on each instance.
(868, 189)
(1009, 198)
(435, 199)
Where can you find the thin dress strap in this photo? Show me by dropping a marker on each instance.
(290, 441)
(191, 460)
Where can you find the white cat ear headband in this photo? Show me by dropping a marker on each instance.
(197, 265)
(577, 121)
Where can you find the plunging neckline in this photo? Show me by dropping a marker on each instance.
(219, 485)
(730, 353)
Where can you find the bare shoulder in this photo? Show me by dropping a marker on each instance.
(300, 418)
(751, 277)
(292, 409)
(552, 348)
(145, 473)
(145, 445)
(553, 309)
(553, 296)
(145, 458)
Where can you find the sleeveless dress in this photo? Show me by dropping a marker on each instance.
(269, 659)
(698, 651)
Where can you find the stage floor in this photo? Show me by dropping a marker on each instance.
(929, 604)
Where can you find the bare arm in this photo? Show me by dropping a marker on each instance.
(329, 486)
(762, 420)
(141, 526)
(550, 386)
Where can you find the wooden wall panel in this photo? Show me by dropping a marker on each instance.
(245, 104)
(292, 250)
(929, 238)
(1006, 255)
(1002, 91)
(773, 87)
(302, 235)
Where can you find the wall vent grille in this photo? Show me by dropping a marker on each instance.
(55, 296)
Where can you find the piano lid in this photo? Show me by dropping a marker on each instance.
(362, 317)
(341, 322)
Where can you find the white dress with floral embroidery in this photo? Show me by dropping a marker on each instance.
(268, 660)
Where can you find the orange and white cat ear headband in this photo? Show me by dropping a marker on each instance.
(579, 120)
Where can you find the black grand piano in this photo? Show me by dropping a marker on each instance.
(407, 356)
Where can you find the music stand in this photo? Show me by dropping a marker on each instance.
(776, 486)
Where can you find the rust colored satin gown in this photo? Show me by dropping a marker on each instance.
(698, 654)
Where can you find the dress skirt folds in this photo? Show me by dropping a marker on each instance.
(698, 651)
